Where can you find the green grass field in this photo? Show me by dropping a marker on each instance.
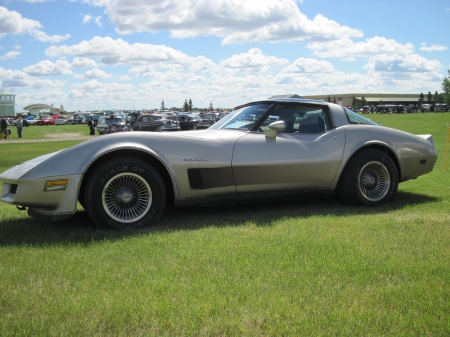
(297, 268)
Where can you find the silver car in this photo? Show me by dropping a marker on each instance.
(267, 149)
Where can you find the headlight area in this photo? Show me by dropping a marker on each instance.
(55, 195)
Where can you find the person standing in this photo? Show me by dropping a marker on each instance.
(3, 128)
(19, 124)
(91, 125)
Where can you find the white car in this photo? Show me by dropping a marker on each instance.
(31, 120)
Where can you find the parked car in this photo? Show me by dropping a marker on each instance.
(152, 122)
(382, 109)
(61, 120)
(209, 119)
(87, 118)
(124, 180)
(132, 117)
(188, 121)
(111, 124)
(426, 107)
(171, 125)
(365, 109)
(75, 120)
(31, 120)
(45, 120)
(441, 107)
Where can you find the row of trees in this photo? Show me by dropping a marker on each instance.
(187, 106)
(446, 88)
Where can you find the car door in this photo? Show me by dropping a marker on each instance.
(305, 156)
(146, 123)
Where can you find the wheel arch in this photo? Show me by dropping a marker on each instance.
(379, 147)
(136, 153)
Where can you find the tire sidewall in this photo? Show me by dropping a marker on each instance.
(108, 171)
(350, 192)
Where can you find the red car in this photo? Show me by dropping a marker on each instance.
(45, 121)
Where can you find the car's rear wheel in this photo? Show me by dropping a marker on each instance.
(370, 178)
(125, 193)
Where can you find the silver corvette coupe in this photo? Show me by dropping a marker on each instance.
(261, 150)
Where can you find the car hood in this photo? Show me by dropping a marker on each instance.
(20, 170)
(170, 148)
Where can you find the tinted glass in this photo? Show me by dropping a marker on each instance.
(354, 118)
(243, 118)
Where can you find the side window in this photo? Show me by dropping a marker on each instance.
(145, 119)
(299, 119)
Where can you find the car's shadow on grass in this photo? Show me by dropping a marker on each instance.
(80, 230)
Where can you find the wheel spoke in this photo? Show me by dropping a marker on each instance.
(374, 181)
(127, 197)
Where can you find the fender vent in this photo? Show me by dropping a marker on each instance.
(13, 188)
(195, 179)
(203, 178)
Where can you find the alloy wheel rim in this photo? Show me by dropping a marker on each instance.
(374, 181)
(127, 197)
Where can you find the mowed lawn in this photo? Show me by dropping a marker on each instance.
(297, 268)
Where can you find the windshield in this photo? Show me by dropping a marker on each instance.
(243, 118)
(354, 118)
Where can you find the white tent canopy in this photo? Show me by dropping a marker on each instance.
(35, 109)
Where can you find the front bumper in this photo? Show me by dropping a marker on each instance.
(36, 193)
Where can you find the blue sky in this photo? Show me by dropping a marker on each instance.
(133, 54)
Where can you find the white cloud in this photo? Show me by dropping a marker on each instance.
(434, 47)
(253, 60)
(97, 73)
(83, 62)
(48, 68)
(124, 78)
(18, 79)
(235, 21)
(119, 52)
(307, 65)
(87, 18)
(402, 64)
(345, 48)
(12, 22)
(98, 21)
(10, 55)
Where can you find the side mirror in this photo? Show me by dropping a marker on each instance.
(274, 128)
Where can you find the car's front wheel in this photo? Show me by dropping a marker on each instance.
(125, 193)
(194, 127)
(370, 178)
(158, 129)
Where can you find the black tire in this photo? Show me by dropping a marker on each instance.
(194, 127)
(370, 178)
(158, 128)
(125, 193)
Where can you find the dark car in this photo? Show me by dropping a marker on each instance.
(188, 121)
(75, 120)
(400, 109)
(111, 124)
(441, 107)
(172, 125)
(209, 119)
(149, 122)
